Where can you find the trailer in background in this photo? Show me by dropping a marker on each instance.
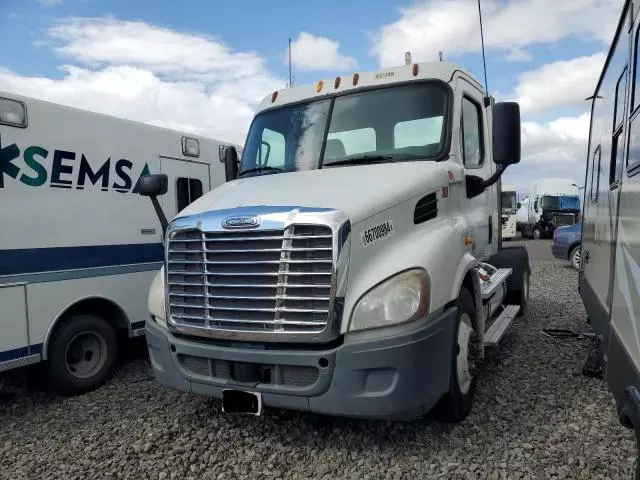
(509, 206)
(79, 246)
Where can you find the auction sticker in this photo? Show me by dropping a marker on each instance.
(377, 233)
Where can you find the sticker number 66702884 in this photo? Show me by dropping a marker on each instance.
(379, 232)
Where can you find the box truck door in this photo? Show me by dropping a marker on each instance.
(188, 180)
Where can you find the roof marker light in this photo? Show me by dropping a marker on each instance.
(356, 77)
(415, 69)
(319, 86)
(336, 84)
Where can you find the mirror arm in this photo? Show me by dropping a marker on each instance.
(161, 216)
(494, 178)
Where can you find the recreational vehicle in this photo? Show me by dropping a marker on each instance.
(609, 278)
(353, 266)
(79, 246)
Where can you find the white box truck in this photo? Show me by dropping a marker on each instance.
(509, 206)
(79, 247)
(553, 202)
(354, 266)
(609, 275)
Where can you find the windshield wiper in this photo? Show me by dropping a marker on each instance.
(362, 159)
(259, 169)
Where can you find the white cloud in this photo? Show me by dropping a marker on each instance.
(452, 26)
(50, 2)
(154, 75)
(555, 149)
(559, 84)
(309, 52)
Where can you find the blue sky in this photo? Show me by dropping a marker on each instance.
(545, 54)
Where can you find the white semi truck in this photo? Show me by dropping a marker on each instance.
(353, 265)
(509, 206)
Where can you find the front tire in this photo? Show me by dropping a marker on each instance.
(456, 404)
(574, 257)
(537, 233)
(82, 354)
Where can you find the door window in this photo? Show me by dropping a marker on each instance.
(471, 134)
(187, 190)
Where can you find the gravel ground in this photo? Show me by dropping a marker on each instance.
(535, 416)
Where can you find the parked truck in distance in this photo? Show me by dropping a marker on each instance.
(80, 247)
(509, 207)
(552, 203)
(353, 265)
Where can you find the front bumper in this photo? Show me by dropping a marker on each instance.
(401, 375)
(559, 251)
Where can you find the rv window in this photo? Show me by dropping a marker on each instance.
(187, 190)
(615, 166)
(595, 175)
(621, 87)
(471, 134)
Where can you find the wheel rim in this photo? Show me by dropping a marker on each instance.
(464, 335)
(86, 354)
(575, 258)
(536, 234)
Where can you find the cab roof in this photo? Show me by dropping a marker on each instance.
(359, 80)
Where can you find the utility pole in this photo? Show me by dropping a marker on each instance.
(290, 77)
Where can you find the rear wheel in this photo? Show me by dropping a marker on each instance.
(574, 257)
(456, 404)
(82, 354)
(537, 233)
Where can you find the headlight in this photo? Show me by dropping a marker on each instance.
(155, 300)
(401, 298)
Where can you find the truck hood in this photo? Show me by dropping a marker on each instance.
(359, 191)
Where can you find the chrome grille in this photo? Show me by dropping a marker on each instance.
(251, 281)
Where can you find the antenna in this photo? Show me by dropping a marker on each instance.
(290, 77)
(484, 61)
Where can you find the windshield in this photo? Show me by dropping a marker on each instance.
(395, 123)
(508, 200)
(564, 202)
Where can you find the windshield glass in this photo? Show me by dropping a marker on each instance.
(394, 123)
(564, 202)
(508, 200)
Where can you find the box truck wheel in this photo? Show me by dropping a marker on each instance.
(82, 354)
(456, 404)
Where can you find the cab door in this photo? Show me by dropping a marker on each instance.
(188, 181)
(475, 155)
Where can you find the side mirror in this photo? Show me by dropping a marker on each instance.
(230, 163)
(506, 133)
(153, 185)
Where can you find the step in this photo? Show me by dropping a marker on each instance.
(499, 327)
(489, 286)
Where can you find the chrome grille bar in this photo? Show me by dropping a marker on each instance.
(259, 282)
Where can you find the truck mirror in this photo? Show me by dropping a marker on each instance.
(506, 133)
(153, 185)
(230, 163)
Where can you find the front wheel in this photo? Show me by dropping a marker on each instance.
(574, 257)
(82, 354)
(456, 404)
(537, 234)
